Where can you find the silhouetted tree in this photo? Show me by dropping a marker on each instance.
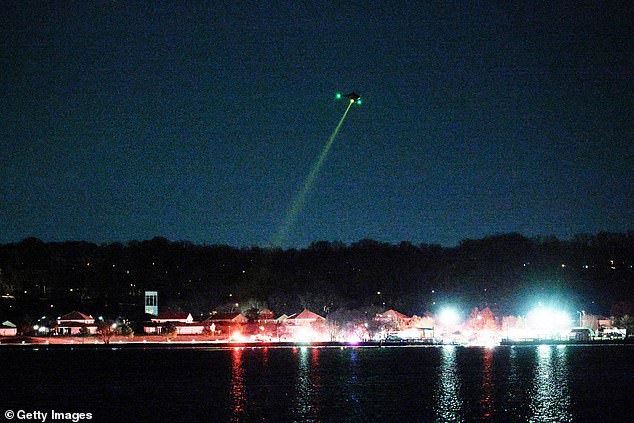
(105, 330)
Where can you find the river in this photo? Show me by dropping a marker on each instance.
(410, 384)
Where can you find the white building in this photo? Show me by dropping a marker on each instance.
(8, 329)
(73, 322)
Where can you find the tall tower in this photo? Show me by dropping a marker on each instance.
(151, 302)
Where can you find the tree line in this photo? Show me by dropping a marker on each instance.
(503, 272)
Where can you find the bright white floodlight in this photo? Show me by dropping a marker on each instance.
(548, 320)
(448, 317)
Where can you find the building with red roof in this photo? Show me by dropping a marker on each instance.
(266, 316)
(8, 329)
(305, 326)
(225, 323)
(183, 321)
(173, 316)
(392, 320)
(73, 322)
(306, 317)
(227, 318)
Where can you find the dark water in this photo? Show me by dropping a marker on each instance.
(426, 384)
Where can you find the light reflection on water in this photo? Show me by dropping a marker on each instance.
(238, 389)
(354, 378)
(409, 384)
(487, 403)
(308, 384)
(444, 384)
(513, 382)
(354, 392)
(448, 400)
(315, 379)
(550, 395)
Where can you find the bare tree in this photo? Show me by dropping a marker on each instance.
(105, 330)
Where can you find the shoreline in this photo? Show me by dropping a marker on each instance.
(193, 343)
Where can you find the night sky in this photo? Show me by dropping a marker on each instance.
(200, 121)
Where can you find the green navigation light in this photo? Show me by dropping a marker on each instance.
(338, 96)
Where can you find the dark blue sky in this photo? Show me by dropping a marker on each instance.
(199, 121)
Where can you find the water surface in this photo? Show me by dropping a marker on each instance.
(426, 384)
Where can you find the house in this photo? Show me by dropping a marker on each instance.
(222, 323)
(304, 327)
(392, 320)
(173, 316)
(183, 321)
(392, 316)
(421, 327)
(73, 322)
(284, 317)
(266, 316)
(227, 318)
(8, 329)
(194, 328)
(305, 318)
